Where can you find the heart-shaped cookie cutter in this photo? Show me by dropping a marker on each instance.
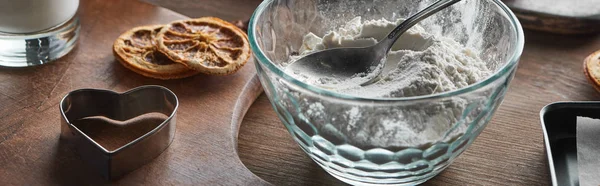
(112, 164)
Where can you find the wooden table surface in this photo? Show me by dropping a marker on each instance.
(510, 150)
(210, 110)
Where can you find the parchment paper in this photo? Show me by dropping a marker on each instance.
(588, 151)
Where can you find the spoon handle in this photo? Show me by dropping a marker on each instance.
(408, 23)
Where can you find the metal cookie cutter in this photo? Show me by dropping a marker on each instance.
(84, 103)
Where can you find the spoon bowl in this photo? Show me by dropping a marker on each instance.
(342, 63)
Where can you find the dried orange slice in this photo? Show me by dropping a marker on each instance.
(591, 69)
(136, 50)
(209, 45)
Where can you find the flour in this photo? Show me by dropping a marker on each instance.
(418, 64)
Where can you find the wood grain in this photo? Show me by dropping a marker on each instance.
(508, 152)
(203, 151)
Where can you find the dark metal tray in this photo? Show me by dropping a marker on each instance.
(559, 124)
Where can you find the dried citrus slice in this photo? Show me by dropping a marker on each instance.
(591, 69)
(209, 45)
(136, 50)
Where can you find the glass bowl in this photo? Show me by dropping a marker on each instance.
(370, 141)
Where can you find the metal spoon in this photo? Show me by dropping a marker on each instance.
(346, 63)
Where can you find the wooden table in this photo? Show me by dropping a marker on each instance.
(203, 151)
(510, 150)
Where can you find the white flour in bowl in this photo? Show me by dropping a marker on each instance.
(418, 64)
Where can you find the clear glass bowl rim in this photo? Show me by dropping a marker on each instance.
(504, 70)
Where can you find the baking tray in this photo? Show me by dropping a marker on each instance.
(559, 124)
